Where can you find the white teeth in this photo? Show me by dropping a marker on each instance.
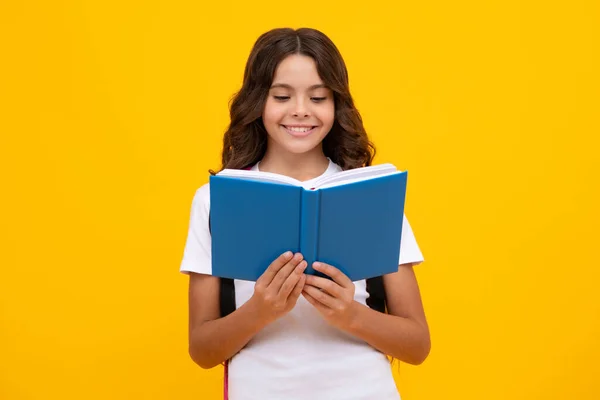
(298, 128)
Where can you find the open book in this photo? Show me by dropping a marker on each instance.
(351, 220)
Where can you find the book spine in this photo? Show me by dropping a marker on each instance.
(309, 226)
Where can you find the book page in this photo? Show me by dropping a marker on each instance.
(359, 179)
(260, 176)
(339, 178)
(355, 175)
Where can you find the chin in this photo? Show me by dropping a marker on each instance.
(299, 148)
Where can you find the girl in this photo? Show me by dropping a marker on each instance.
(291, 335)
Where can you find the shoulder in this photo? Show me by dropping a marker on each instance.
(203, 192)
(201, 200)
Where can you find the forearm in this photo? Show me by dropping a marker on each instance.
(215, 341)
(399, 337)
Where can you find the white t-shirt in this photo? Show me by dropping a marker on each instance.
(299, 356)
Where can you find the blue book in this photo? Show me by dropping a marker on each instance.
(351, 220)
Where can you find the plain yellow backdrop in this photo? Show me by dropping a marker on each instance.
(112, 112)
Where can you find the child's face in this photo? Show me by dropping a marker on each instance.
(299, 111)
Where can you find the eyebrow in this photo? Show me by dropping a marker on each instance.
(285, 85)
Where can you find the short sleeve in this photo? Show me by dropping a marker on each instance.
(409, 249)
(197, 251)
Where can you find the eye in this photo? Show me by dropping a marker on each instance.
(281, 98)
(318, 99)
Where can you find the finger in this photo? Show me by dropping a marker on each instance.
(284, 272)
(323, 298)
(327, 285)
(274, 267)
(338, 276)
(292, 280)
(298, 289)
(319, 306)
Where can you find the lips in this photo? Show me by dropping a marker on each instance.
(299, 131)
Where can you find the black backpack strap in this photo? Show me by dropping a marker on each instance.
(226, 291)
(376, 299)
(227, 296)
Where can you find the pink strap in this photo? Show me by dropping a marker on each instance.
(226, 381)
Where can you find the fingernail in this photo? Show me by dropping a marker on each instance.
(287, 254)
(316, 264)
(301, 266)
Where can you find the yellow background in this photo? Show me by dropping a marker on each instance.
(112, 112)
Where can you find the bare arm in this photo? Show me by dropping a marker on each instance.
(403, 333)
(212, 339)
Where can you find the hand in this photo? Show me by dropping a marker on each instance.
(278, 288)
(333, 299)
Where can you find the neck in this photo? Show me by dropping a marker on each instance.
(298, 166)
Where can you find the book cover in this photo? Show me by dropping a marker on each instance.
(351, 220)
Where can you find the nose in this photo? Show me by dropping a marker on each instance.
(300, 109)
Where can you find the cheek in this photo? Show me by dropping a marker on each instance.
(272, 113)
(327, 115)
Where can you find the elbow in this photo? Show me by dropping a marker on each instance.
(422, 351)
(421, 355)
(419, 350)
(201, 357)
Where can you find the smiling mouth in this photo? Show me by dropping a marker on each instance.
(299, 131)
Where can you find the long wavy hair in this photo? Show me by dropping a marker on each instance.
(245, 141)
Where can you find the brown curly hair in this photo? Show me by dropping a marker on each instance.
(245, 141)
